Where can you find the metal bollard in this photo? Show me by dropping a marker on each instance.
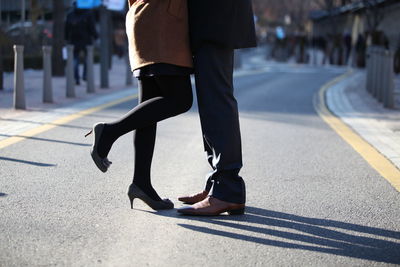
(19, 85)
(129, 79)
(70, 71)
(384, 73)
(47, 82)
(381, 73)
(369, 69)
(375, 74)
(373, 66)
(89, 70)
(104, 47)
(388, 99)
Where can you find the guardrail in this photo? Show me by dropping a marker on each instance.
(380, 75)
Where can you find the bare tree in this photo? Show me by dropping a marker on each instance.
(35, 12)
(58, 37)
(331, 4)
(298, 11)
(273, 11)
(374, 14)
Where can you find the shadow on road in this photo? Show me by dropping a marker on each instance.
(68, 113)
(46, 140)
(38, 164)
(3, 194)
(267, 227)
(46, 123)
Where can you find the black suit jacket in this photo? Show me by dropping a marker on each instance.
(229, 23)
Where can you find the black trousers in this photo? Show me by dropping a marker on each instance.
(220, 121)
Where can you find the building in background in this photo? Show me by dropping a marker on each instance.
(356, 26)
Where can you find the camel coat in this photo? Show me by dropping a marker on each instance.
(158, 32)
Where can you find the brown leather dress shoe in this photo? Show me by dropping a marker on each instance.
(212, 207)
(194, 198)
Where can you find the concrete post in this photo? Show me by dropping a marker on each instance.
(377, 73)
(381, 73)
(388, 99)
(375, 69)
(1, 68)
(70, 72)
(47, 82)
(104, 48)
(371, 70)
(385, 74)
(373, 66)
(89, 70)
(368, 69)
(19, 84)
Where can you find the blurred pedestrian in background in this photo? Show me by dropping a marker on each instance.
(80, 31)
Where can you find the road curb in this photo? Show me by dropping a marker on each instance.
(372, 155)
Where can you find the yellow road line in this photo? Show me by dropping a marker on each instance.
(64, 120)
(379, 162)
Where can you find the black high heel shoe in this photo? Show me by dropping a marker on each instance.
(136, 192)
(102, 163)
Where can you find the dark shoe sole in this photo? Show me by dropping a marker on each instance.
(236, 212)
(230, 212)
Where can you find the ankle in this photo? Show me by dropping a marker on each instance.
(106, 141)
(148, 189)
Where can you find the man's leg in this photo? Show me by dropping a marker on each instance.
(220, 121)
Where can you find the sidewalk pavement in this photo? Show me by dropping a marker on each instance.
(16, 122)
(380, 127)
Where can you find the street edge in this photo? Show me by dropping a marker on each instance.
(61, 121)
(374, 158)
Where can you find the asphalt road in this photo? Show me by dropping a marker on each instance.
(311, 199)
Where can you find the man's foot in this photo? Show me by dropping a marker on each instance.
(194, 198)
(212, 207)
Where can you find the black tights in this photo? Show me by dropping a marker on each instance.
(160, 97)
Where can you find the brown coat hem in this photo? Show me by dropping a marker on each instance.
(158, 32)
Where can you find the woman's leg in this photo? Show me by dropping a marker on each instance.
(175, 97)
(144, 138)
(143, 141)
